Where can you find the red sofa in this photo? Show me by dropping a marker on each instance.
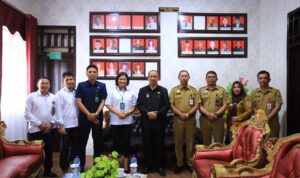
(283, 160)
(246, 147)
(20, 159)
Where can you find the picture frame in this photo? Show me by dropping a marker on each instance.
(125, 22)
(212, 23)
(124, 45)
(212, 47)
(136, 69)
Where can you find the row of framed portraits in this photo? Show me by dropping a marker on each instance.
(212, 23)
(139, 22)
(124, 45)
(136, 69)
(204, 47)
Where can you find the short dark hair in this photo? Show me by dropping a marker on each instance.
(186, 41)
(211, 72)
(41, 78)
(183, 71)
(263, 72)
(91, 66)
(120, 75)
(67, 74)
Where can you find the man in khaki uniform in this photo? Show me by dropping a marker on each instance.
(213, 103)
(184, 102)
(268, 99)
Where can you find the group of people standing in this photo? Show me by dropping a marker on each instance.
(76, 112)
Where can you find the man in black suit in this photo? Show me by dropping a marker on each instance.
(137, 46)
(237, 24)
(238, 47)
(153, 103)
(225, 25)
(98, 48)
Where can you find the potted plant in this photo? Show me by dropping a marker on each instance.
(104, 167)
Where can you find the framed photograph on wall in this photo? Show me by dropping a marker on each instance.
(125, 67)
(186, 22)
(124, 45)
(212, 23)
(186, 46)
(111, 45)
(136, 69)
(138, 45)
(98, 45)
(127, 22)
(200, 47)
(212, 47)
(97, 22)
(151, 22)
(138, 22)
(111, 68)
(112, 21)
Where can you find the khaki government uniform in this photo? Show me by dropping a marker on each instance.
(184, 131)
(267, 101)
(244, 109)
(212, 101)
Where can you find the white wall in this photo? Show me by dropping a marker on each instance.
(266, 37)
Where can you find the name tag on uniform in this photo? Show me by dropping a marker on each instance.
(191, 102)
(122, 106)
(96, 99)
(269, 105)
(248, 103)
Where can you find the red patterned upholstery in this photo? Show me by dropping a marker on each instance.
(20, 159)
(283, 160)
(246, 146)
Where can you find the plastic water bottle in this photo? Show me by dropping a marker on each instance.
(75, 167)
(133, 165)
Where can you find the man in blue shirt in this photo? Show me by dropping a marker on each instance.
(90, 98)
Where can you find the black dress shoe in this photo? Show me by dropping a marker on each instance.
(145, 170)
(50, 174)
(178, 169)
(162, 172)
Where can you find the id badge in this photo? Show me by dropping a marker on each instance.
(191, 102)
(122, 106)
(218, 104)
(96, 99)
(269, 106)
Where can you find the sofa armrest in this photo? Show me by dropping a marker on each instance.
(23, 147)
(219, 170)
(224, 154)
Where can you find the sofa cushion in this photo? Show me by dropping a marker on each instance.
(20, 166)
(202, 166)
(14, 150)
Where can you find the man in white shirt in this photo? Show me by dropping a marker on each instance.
(151, 25)
(67, 120)
(39, 113)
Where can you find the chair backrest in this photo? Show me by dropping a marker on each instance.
(285, 156)
(249, 137)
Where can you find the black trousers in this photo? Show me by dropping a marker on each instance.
(68, 147)
(121, 139)
(48, 139)
(153, 146)
(85, 127)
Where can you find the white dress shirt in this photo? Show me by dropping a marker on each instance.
(38, 110)
(114, 99)
(66, 108)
